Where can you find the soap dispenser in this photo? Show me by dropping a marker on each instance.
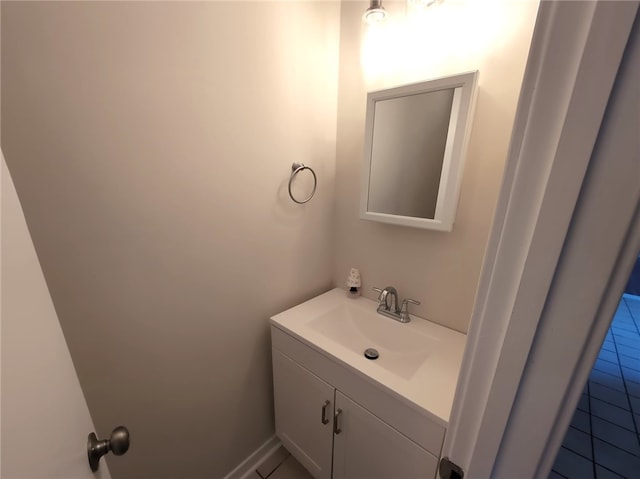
(354, 283)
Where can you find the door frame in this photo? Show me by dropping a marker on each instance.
(575, 54)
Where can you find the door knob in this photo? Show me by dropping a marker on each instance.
(118, 444)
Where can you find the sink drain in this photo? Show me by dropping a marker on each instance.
(371, 354)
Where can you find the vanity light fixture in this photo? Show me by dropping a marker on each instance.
(375, 13)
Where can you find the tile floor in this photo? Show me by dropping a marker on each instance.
(281, 465)
(602, 441)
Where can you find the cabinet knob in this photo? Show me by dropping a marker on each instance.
(324, 412)
(336, 428)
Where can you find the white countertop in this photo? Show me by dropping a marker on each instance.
(419, 361)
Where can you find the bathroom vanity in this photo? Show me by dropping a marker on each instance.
(344, 416)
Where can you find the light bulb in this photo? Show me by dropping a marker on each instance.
(375, 13)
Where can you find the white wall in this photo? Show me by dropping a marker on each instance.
(439, 269)
(151, 144)
(45, 419)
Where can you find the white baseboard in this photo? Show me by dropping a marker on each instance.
(246, 468)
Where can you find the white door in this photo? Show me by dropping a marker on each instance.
(364, 447)
(564, 239)
(304, 414)
(45, 420)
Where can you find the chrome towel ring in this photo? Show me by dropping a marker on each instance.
(295, 169)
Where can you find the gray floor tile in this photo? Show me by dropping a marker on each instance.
(616, 435)
(609, 346)
(631, 363)
(290, 469)
(607, 367)
(583, 404)
(578, 441)
(612, 413)
(626, 324)
(629, 351)
(609, 380)
(272, 462)
(631, 374)
(608, 356)
(615, 459)
(612, 396)
(623, 315)
(623, 305)
(632, 302)
(602, 473)
(581, 421)
(633, 388)
(623, 333)
(626, 341)
(555, 475)
(572, 465)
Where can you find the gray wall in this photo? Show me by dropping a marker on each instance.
(439, 269)
(150, 145)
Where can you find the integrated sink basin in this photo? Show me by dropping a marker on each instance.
(402, 349)
(419, 361)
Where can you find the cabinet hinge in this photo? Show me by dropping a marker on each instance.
(449, 470)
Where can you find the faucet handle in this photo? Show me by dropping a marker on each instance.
(409, 300)
(404, 311)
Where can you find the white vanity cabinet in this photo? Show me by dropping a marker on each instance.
(304, 414)
(322, 421)
(367, 447)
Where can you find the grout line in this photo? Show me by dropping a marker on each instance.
(609, 470)
(561, 475)
(610, 422)
(629, 357)
(593, 451)
(612, 404)
(631, 314)
(608, 387)
(603, 372)
(595, 366)
(574, 452)
(636, 369)
(606, 361)
(626, 391)
(592, 437)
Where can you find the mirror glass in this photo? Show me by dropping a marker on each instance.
(415, 137)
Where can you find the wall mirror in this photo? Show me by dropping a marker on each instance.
(415, 143)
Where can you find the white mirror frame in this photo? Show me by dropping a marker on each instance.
(464, 100)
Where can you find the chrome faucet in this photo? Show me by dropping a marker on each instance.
(390, 308)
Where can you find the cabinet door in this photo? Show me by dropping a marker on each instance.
(367, 448)
(300, 398)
